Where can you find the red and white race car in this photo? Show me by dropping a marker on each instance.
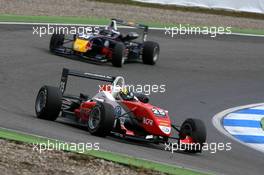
(116, 110)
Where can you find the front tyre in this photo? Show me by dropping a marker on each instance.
(101, 119)
(56, 41)
(48, 103)
(150, 52)
(195, 130)
(118, 56)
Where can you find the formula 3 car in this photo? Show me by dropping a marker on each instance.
(114, 110)
(108, 45)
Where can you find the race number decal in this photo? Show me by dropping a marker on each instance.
(158, 112)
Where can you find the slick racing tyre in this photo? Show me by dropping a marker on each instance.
(101, 119)
(56, 41)
(118, 57)
(195, 129)
(150, 52)
(48, 103)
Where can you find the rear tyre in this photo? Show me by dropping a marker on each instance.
(195, 129)
(101, 119)
(150, 52)
(48, 103)
(118, 57)
(56, 41)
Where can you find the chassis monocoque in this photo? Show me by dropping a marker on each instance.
(106, 113)
(108, 45)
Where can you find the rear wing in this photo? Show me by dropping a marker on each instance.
(69, 72)
(131, 24)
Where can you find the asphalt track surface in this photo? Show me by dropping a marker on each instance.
(203, 76)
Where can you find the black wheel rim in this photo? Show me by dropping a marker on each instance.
(187, 130)
(41, 101)
(94, 118)
(156, 54)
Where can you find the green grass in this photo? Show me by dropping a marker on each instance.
(118, 158)
(188, 9)
(98, 21)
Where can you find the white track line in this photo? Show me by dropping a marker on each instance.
(152, 28)
(244, 131)
(235, 116)
(246, 34)
(259, 107)
(257, 146)
(217, 122)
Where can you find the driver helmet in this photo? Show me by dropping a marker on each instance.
(125, 94)
(112, 29)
